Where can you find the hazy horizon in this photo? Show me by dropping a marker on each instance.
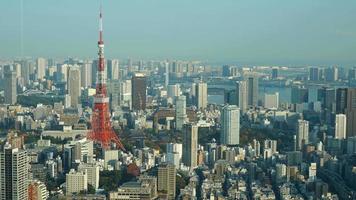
(319, 32)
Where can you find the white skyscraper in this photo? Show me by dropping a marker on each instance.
(302, 133)
(190, 145)
(41, 68)
(13, 173)
(201, 93)
(241, 95)
(85, 74)
(166, 66)
(272, 101)
(174, 153)
(230, 125)
(340, 126)
(181, 115)
(114, 69)
(173, 90)
(74, 89)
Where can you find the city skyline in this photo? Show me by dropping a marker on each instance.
(303, 32)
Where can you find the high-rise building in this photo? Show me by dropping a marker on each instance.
(92, 171)
(174, 154)
(302, 133)
(10, 87)
(299, 95)
(167, 180)
(327, 97)
(181, 113)
(25, 71)
(85, 74)
(201, 95)
(166, 80)
(252, 90)
(340, 126)
(76, 182)
(113, 69)
(241, 95)
(138, 91)
(173, 91)
(314, 74)
(274, 73)
(190, 145)
(74, 88)
(350, 112)
(230, 125)
(331, 73)
(125, 93)
(41, 68)
(13, 173)
(62, 72)
(341, 100)
(272, 101)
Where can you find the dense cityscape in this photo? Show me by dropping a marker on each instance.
(129, 129)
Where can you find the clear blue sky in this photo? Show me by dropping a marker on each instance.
(256, 31)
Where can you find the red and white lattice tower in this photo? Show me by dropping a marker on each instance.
(102, 131)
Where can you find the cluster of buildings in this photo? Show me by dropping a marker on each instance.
(216, 128)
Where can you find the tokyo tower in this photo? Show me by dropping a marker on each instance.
(102, 131)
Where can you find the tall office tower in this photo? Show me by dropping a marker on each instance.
(125, 93)
(241, 95)
(274, 73)
(17, 69)
(94, 71)
(350, 112)
(314, 74)
(25, 71)
(327, 97)
(226, 70)
(139, 86)
(190, 145)
(302, 134)
(74, 88)
(340, 126)
(113, 69)
(201, 95)
(41, 68)
(13, 173)
(167, 180)
(62, 72)
(341, 100)
(85, 74)
(230, 125)
(351, 74)
(181, 112)
(76, 182)
(331, 73)
(174, 153)
(252, 90)
(102, 131)
(173, 91)
(299, 95)
(10, 87)
(166, 66)
(272, 101)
